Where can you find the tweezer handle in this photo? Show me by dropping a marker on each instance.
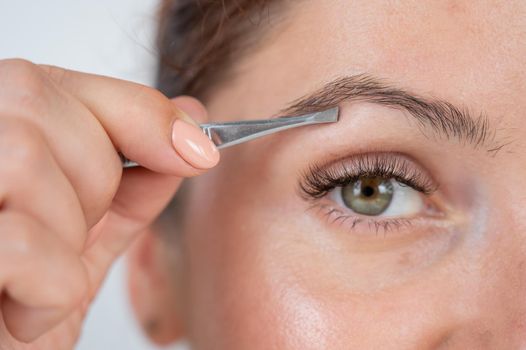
(232, 133)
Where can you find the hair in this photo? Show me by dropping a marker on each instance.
(198, 40)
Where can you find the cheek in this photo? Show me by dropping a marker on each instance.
(259, 277)
(243, 287)
(255, 277)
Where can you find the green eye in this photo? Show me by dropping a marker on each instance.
(368, 195)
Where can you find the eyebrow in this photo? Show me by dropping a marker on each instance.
(442, 117)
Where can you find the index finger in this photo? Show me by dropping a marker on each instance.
(142, 123)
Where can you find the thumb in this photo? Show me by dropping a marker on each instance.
(140, 198)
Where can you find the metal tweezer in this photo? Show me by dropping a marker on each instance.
(232, 133)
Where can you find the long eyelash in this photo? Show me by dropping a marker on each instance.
(320, 180)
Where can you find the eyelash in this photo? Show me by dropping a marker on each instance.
(319, 180)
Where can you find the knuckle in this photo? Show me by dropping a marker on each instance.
(20, 147)
(18, 235)
(16, 65)
(56, 74)
(32, 246)
(23, 87)
(145, 92)
(153, 100)
(21, 72)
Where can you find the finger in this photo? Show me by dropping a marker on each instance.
(32, 182)
(42, 279)
(191, 106)
(141, 197)
(77, 140)
(142, 123)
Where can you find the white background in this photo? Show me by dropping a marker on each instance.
(113, 37)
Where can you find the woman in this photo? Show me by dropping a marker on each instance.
(401, 226)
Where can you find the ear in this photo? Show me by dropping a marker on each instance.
(153, 289)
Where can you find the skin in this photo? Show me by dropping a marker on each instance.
(67, 209)
(249, 266)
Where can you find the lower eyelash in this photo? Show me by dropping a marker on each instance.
(334, 215)
(320, 180)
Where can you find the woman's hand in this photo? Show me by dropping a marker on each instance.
(67, 209)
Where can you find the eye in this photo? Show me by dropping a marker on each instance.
(378, 196)
(378, 189)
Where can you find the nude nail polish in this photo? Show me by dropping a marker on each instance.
(193, 145)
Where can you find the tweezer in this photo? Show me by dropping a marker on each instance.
(228, 134)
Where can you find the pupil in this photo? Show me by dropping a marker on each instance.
(368, 195)
(368, 191)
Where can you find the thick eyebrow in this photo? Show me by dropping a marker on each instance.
(440, 116)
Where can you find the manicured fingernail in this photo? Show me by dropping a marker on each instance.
(193, 145)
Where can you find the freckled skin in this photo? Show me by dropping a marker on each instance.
(261, 273)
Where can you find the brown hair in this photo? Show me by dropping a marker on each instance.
(198, 40)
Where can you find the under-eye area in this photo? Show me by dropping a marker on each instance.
(381, 216)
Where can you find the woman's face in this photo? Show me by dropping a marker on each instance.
(402, 225)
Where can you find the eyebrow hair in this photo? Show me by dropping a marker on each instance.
(442, 117)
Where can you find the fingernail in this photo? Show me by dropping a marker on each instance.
(193, 145)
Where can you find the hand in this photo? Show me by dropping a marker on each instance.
(67, 209)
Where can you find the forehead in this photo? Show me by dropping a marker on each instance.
(470, 53)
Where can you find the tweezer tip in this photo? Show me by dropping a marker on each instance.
(329, 115)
